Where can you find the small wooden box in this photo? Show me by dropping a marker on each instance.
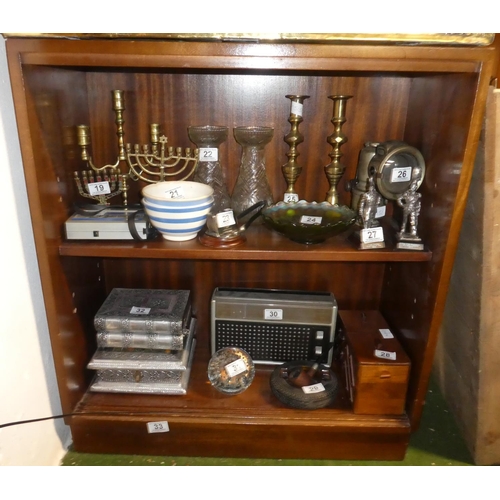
(374, 365)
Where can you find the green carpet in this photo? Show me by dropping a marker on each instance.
(437, 442)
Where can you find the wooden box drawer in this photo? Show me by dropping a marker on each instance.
(374, 365)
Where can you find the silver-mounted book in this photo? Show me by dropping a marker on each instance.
(137, 310)
(143, 359)
(151, 340)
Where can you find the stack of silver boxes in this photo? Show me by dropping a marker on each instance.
(145, 342)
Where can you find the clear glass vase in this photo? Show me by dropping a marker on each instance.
(209, 171)
(252, 184)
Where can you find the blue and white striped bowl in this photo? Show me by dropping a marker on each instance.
(182, 216)
(178, 213)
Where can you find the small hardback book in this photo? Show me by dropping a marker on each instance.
(143, 359)
(144, 310)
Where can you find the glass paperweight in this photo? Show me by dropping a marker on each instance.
(209, 171)
(231, 370)
(252, 184)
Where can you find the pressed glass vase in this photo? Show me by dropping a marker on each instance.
(252, 184)
(209, 171)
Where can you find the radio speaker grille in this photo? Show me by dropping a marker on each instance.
(268, 342)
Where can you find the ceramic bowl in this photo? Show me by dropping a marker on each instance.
(177, 213)
(308, 222)
(177, 194)
(178, 209)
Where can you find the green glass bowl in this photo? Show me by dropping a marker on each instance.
(308, 222)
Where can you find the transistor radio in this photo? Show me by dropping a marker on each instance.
(274, 326)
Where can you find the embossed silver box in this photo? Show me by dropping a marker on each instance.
(140, 340)
(143, 359)
(137, 310)
(168, 382)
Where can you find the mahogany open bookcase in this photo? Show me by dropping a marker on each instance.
(431, 97)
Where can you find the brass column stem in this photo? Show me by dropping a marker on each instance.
(335, 169)
(291, 169)
(119, 108)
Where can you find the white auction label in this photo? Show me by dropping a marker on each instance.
(225, 219)
(385, 355)
(154, 427)
(276, 314)
(401, 174)
(208, 154)
(313, 389)
(380, 212)
(386, 333)
(297, 108)
(235, 368)
(372, 235)
(177, 192)
(310, 219)
(98, 188)
(140, 310)
(290, 197)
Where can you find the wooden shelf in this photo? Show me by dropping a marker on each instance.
(229, 420)
(262, 244)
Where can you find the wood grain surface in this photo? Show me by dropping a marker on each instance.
(431, 97)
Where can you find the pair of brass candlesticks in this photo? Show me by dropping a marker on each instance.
(335, 169)
(151, 163)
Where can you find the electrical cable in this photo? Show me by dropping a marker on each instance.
(84, 414)
(20, 422)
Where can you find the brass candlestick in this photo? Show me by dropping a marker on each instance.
(335, 169)
(291, 170)
(160, 162)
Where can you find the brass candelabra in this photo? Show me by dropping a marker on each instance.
(152, 162)
(291, 169)
(102, 183)
(335, 169)
(83, 132)
(157, 162)
(101, 186)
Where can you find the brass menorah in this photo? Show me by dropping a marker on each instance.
(152, 162)
(101, 186)
(157, 161)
